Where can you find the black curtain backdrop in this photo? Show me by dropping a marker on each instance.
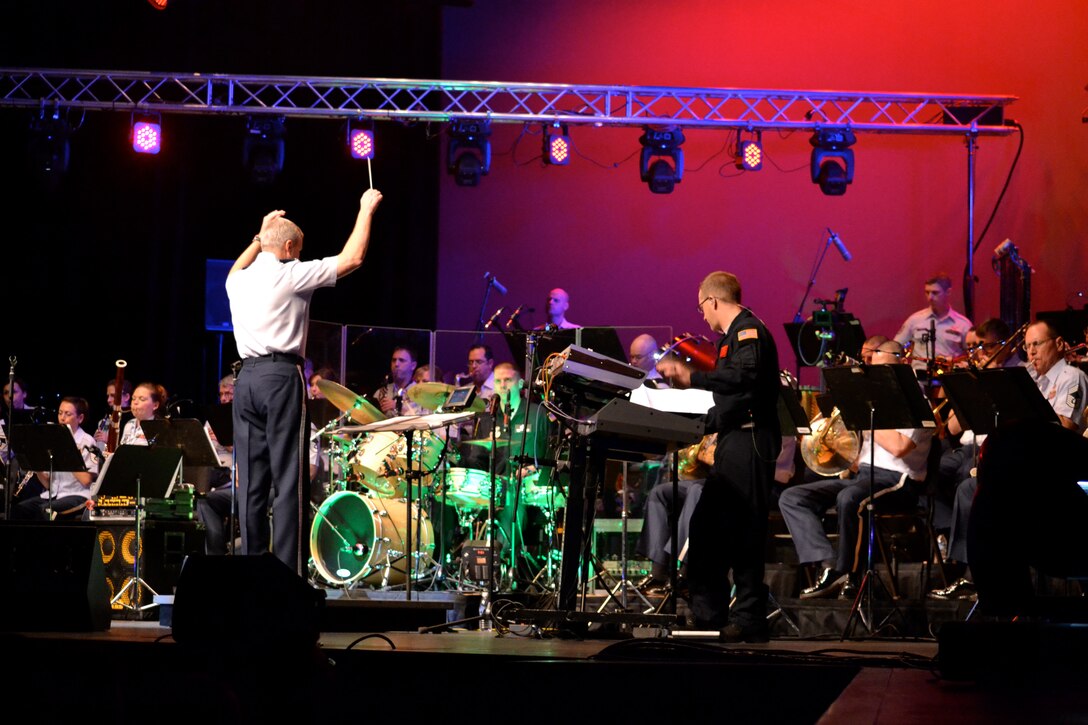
(109, 263)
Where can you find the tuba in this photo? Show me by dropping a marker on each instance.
(830, 448)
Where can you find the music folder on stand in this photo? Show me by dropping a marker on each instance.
(49, 447)
(139, 472)
(985, 399)
(409, 425)
(872, 398)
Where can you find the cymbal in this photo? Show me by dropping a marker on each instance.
(429, 395)
(361, 410)
(486, 442)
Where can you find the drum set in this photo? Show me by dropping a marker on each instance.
(365, 533)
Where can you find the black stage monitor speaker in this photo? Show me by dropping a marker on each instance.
(52, 579)
(255, 602)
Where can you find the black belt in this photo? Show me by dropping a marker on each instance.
(287, 357)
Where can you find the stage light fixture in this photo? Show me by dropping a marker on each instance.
(557, 144)
(832, 162)
(750, 153)
(469, 154)
(661, 146)
(361, 139)
(49, 148)
(146, 134)
(262, 151)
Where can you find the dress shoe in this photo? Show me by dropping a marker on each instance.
(849, 591)
(962, 588)
(754, 634)
(828, 585)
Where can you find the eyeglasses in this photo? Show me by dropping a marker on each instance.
(1035, 344)
(702, 302)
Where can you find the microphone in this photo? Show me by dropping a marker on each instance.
(494, 282)
(839, 245)
(361, 335)
(490, 322)
(360, 550)
(514, 315)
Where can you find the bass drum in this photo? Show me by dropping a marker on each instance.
(356, 537)
(382, 461)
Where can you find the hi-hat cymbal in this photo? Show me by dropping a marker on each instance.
(432, 395)
(361, 410)
(429, 395)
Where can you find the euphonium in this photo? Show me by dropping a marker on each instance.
(830, 448)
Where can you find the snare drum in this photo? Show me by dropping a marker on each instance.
(382, 460)
(471, 488)
(357, 537)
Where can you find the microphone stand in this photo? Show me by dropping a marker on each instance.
(812, 279)
(10, 458)
(483, 307)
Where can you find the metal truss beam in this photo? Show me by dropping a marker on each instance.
(440, 101)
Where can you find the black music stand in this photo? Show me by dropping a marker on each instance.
(986, 399)
(136, 471)
(603, 340)
(221, 421)
(792, 418)
(876, 397)
(185, 434)
(49, 447)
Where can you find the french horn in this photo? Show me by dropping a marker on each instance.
(830, 448)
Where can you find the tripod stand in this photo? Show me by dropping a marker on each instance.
(131, 471)
(872, 398)
(624, 586)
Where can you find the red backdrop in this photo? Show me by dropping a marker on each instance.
(629, 257)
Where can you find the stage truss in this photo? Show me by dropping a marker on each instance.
(441, 101)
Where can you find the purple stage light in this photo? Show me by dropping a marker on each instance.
(361, 141)
(146, 137)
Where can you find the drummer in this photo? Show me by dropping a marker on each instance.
(393, 398)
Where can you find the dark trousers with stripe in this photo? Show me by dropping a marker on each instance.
(728, 530)
(270, 445)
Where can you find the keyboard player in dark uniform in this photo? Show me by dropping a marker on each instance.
(729, 526)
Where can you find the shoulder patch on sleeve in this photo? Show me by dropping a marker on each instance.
(750, 333)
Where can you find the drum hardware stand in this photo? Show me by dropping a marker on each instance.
(625, 585)
(894, 390)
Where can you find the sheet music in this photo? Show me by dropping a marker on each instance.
(671, 400)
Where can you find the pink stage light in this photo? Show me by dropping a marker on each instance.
(146, 137)
(361, 141)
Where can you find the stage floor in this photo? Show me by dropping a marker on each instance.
(462, 675)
